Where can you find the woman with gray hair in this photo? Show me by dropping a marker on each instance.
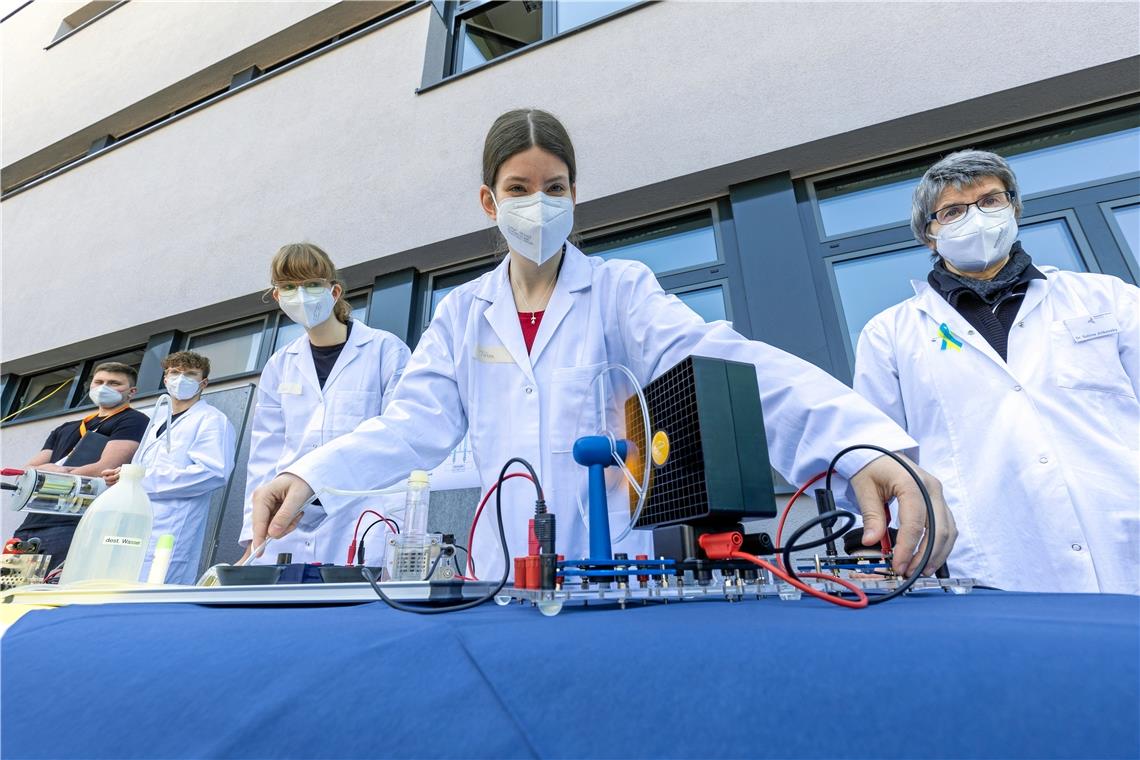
(1020, 385)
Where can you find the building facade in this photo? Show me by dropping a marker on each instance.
(758, 156)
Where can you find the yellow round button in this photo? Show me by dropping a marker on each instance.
(660, 447)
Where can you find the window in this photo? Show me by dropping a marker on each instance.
(677, 245)
(231, 350)
(485, 31)
(683, 251)
(447, 281)
(48, 391)
(288, 330)
(84, 16)
(709, 303)
(1091, 153)
(132, 358)
(1125, 222)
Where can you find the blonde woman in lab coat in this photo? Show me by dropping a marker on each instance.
(510, 357)
(314, 390)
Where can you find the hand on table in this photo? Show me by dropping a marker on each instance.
(110, 477)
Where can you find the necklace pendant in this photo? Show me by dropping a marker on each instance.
(532, 317)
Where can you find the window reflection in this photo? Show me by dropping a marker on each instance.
(1127, 220)
(1084, 154)
(707, 302)
(678, 244)
(231, 351)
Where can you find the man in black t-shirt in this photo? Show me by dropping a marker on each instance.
(119, 429)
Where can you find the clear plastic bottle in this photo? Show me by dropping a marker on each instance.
(409, 556)
(416, 505)
(111, 540)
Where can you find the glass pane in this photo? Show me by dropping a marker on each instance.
(1051, 243)
(1128, 220)
(1077, 155)
(572, 13)
(445, 283)
(871, 284)
(50, 389)
(678, 244)
(288, 330)
(708, 302)
(132, 358)
(231, 351)
(498, 30)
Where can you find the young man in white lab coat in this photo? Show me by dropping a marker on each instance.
(1020, 385)
(187, 458)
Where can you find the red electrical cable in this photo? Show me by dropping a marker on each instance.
(720, 546)
(356, 531)
(788, 511)
(479, 511)
(859, 603)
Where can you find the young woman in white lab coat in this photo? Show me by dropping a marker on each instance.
(476, 370)
(315, 389)
(186, 462)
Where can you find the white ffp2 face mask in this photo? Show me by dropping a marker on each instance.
(979, 241)
(536, 226)
(183, 388)
(105, 396)
(306, 309)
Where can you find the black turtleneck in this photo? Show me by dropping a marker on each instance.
(990, 306)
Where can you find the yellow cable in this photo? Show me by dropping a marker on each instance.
(38, 401)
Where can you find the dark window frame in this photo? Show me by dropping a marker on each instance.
(445, 38)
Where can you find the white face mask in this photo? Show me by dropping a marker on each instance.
(536, 226)
(305, 308)
(105, 396)
(182, 387)
(979, 241)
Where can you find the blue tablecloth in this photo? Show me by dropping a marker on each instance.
(931, 675)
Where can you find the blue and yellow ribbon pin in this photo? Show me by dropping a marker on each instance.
(948, 338)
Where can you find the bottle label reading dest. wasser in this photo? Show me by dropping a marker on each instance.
(121, 541)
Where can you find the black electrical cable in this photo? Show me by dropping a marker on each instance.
(434, 565)
(368, 576)
(469, 558)
(791, 546)
(360, 546)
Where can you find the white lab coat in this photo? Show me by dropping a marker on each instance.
(471, 371)
(180, 481)
(1038, 454)
(295, 416)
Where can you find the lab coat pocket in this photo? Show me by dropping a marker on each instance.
(1091, 365)
(573, 410)
(344, 410)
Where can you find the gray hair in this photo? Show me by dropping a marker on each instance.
(965, 167)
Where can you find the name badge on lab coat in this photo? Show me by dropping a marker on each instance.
(1087, 328)
(493, 354)
(292, 389)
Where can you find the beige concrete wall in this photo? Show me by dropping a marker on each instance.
(132, 52)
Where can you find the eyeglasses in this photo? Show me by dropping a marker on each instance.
(988, 204)
(174, 374)
(312, 287)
